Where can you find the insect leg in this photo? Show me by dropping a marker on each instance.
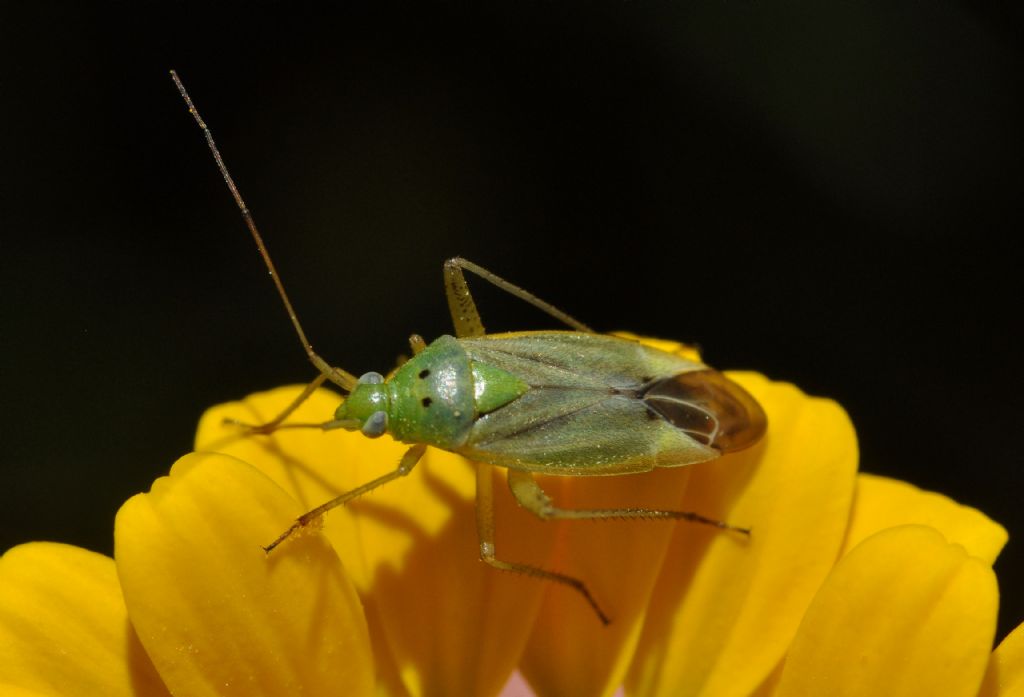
(464, 313)
(275, 423)
(531, 497)
(405, 465)
(416, 343)
(485, 531)
(465, 316)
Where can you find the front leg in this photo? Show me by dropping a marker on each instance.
(405, 465)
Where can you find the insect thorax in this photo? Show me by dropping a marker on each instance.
(431, 396)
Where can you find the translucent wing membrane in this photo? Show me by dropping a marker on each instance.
(709, 407)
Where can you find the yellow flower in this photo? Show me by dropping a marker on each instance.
(849, 585)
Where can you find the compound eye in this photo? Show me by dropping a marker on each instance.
(377, 425)
(371, 378)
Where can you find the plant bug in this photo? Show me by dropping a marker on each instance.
(570, 402)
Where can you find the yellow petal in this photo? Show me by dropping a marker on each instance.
(904, 613)
(312, 466)
(453, 625)
(64, 629)
(442, 620)
(1005, 674)
(570, 652)
(216, 614)
(18, 691)
(885, 503)
(725, 609)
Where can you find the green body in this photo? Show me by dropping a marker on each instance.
(560, 402)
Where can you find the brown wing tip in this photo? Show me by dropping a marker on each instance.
(742, 421)
(710, 407)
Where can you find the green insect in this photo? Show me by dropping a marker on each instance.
(573, 403)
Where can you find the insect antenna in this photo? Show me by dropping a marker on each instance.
(338, 376)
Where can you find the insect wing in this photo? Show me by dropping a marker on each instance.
(709, 407)
(585, 413)
(575, 432)
(576, 359)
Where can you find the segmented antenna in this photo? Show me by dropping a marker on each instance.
(336, 375)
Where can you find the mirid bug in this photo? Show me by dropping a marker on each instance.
(573, 403)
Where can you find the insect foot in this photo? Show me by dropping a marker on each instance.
(301, 525)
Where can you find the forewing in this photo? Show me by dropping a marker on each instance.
(583, 413)
(575, 359)
(561, 430)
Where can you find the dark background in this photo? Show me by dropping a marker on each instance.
(828, 192)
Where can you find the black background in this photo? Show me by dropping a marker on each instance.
(827, 192)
